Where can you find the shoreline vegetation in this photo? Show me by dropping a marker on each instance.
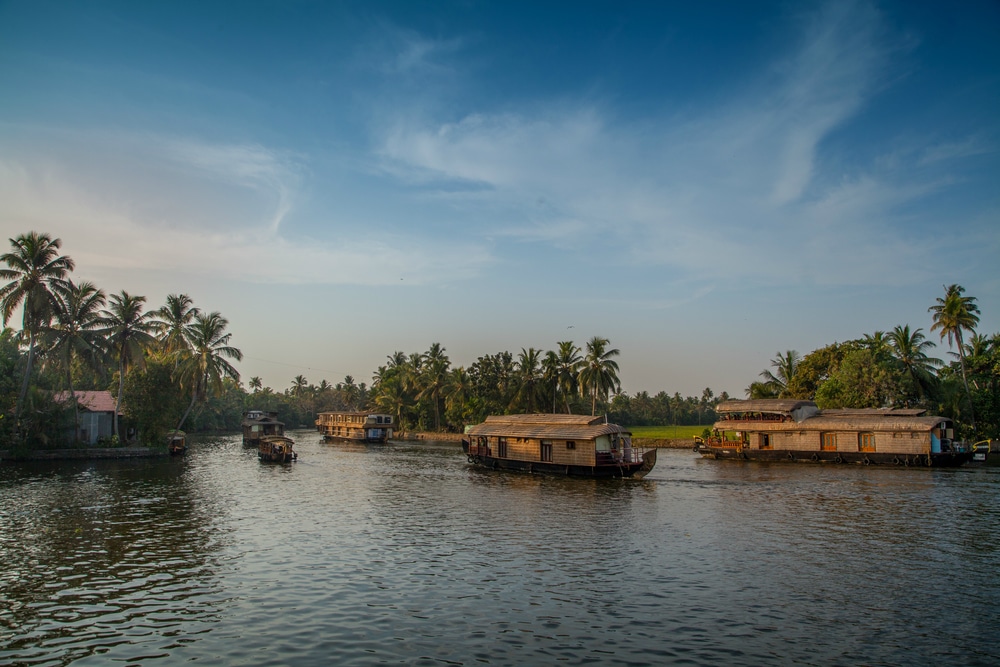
(172, 368)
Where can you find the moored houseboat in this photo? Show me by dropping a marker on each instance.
(360, 426)
(257, 424)
(276, 449)
(176, 443)
(795, 430)
(575, 445)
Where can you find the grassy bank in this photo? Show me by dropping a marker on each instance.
(666, 432)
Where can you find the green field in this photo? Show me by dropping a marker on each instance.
(666, 432)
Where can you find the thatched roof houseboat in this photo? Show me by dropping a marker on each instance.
(794, 430)
(559, 444)
(276, 449)
(360, 426)
(257, 424)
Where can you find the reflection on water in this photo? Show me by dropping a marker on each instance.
(405, 553)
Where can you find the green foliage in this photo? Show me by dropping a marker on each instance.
(861, 381)
(155, 400)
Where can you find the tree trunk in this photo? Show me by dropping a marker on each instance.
(965, 381)
(118, 403)
(27, 375)
(194, 397)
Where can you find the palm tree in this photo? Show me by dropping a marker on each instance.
(908, 348)
(569, 369)
(299, 384)
(458, 389)
(75, 332)
(175, 316)
(129, 333)
(952, 315)
(786, 364)
(203, 369)
(599, 372)
(529, 381)
(550, 374)
(256, 383)
(34, 269)
(434, 379)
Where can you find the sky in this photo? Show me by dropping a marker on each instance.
(704, 184)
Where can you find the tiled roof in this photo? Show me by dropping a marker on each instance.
(94, 401)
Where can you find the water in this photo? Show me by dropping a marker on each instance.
(404, 554)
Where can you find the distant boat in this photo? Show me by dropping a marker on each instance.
(276, 449)
(176, 443)
(359, 426)
(257, 424)
(794, 430)
(575, 445)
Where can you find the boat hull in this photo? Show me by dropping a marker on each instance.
(633, 470)
(937, 460)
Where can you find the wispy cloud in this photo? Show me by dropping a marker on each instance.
(114, 218)
(739, 183)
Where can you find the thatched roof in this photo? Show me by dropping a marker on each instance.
(853, 412)
(860, 422)
(548, 426)
(777, 405)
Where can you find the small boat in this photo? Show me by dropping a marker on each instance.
(176, 443)
(798, 431)
(574, 445)
(276, 449)
(357, 426)
(259, 423)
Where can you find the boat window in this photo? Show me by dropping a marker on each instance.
(765, 441)
(866, 442)
(546, 450)
(570, 444)
(828, 442)
(502, 447)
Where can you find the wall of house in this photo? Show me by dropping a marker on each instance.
(529, 449)
(886, 442)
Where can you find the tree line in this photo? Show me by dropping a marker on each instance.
(160, 364)
(895, 369)
(171, 368)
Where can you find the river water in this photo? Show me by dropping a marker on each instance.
(405, 554)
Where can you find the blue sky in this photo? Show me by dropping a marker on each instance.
(705, 184)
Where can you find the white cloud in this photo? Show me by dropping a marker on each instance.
(112, 218)
(736, 185)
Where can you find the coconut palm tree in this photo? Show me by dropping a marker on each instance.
(952, 315)
(34, 269)
(599, 371)
(256, 383)
(785, 364)
(550, 375)
(909, 350)
(434, 379)
(569, 369)
(203, 368)
(129, 333)
(75, 331)
(529, 382)
(175, 315)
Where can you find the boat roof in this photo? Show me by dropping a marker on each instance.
(562, 427)
(784, 405)
(843, 422)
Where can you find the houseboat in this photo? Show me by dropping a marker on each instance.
(794, 430)
(276, 449)
(257, 424)
(359, 426)
(559, 444)
(176, 443)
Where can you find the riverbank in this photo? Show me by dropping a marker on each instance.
(88, 453)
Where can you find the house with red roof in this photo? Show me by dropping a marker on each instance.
(97, 414)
